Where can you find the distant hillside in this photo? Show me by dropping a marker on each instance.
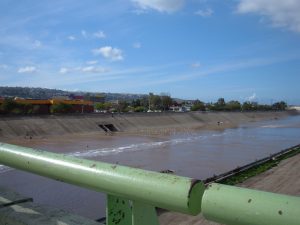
(46, 93)
(26, 92)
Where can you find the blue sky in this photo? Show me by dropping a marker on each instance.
(205, 49)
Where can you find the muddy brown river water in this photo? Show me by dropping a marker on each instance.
(194, 154)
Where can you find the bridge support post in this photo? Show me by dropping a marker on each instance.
(143, 214)
(120, 211)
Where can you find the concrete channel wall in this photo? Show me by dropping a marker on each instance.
(16, 126)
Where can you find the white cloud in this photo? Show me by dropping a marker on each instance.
(100, 34)
(282, 13)
(205, 12)
(251, 98)
(27, 69)
(3, 66)
(114, 54)
(168, 6)
(37, 44)
(92, 62)
(92, 69)
(221, 68)
(86, 69)
(84, 33)
(195, 65)
(64, 70)
(139, 11)
(137, 45)
(72, 38)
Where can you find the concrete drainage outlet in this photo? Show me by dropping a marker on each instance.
(108, 127)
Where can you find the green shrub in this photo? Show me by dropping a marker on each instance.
(61, 108)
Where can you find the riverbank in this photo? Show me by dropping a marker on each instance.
(199, 154)
(135, 123)
(283, 179)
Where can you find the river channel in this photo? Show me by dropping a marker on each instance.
(194, 154)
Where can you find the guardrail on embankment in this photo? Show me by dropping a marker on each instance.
(133, 194)
(240, 169)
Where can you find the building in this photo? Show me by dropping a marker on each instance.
(294, 108)
(76, 97)
(78, 106)
(43, 106)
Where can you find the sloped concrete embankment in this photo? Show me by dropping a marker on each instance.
(139, 123)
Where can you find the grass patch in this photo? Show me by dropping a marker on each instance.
(242, 176)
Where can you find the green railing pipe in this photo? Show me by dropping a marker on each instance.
(157, 189)
(220, 203)
(240, 206)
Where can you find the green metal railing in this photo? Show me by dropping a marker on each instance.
(133, 194)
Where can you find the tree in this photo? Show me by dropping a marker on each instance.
(219, 105)
(145, 102)
(107, 105)
(140, 109)
(166, 102)
(136, 103)
(233, 106)
(150, 101)
(279, 105)
(264, 107)
(221, 102)
(198, 106)
(61, 108)
(122, 105)
(103, 106)
(157, 103)
(99, 106)
(247, 106)
(11, 106)
(8, 106)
